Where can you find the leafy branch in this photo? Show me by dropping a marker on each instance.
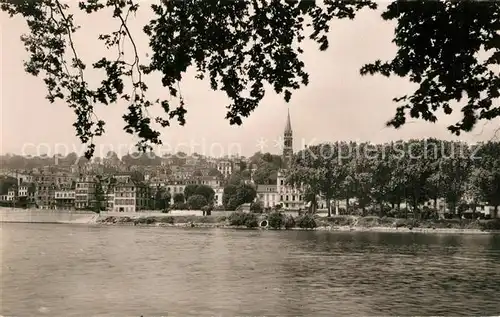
(439, 44)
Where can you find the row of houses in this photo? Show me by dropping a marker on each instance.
(120, 193)
(123, 192)
(55, 188)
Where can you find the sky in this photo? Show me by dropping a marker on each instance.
(338, 103)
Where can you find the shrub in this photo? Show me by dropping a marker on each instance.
(306, 222)
(406, 223)
(179, 198)
(256, 207)
(251, 221)
(237, 218)
(289, 222)
(179, 206)
(168, 219)
(276, 220)
(123, 219)
(145, 220)
(490, 224)
(369, 221)
(340, 220)
(243, 219)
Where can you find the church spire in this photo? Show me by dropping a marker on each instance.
(288, 141)
(288, 127)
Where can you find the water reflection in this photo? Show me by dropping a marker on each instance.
(59, 270)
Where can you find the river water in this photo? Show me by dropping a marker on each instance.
(76, 270)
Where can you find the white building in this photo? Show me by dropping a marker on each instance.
(289, 197)
(268, 195)
(219, 192)
(65, 199)
(64, 194)
(174, 189)
(225, 167)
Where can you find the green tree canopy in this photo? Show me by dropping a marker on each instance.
(207, 192)
(486, 176)
(161, 198)
(190, 190)
(236, 195)
(196, 202)
(244, 46)
(410, 173)
(203, 190)
(179, 198)
(6, 183)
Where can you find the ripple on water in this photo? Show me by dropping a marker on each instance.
(62, 270)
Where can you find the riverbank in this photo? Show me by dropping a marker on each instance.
(253, 221)
(18, 215)
(336, 223)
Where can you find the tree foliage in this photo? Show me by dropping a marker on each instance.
(414, 172)
(439, 48)
(6, 183)
(100, 199)
(161, 199)
(238, 45)
(179, 198)
(207, 192)
(486, 176)
(256, 206)
(267, 167)
(242, 45)
(321, 169)
(239, 177)
(203, 190)
(236, 195)
(196, 202)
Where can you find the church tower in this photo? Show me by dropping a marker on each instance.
(288, 141)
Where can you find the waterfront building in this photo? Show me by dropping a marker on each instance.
(128, 194)
(84, 191)
(268, 195)
(12, 193)
(64, 198)
(289, 197)
(26, 193)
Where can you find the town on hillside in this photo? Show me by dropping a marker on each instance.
(260, 183)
